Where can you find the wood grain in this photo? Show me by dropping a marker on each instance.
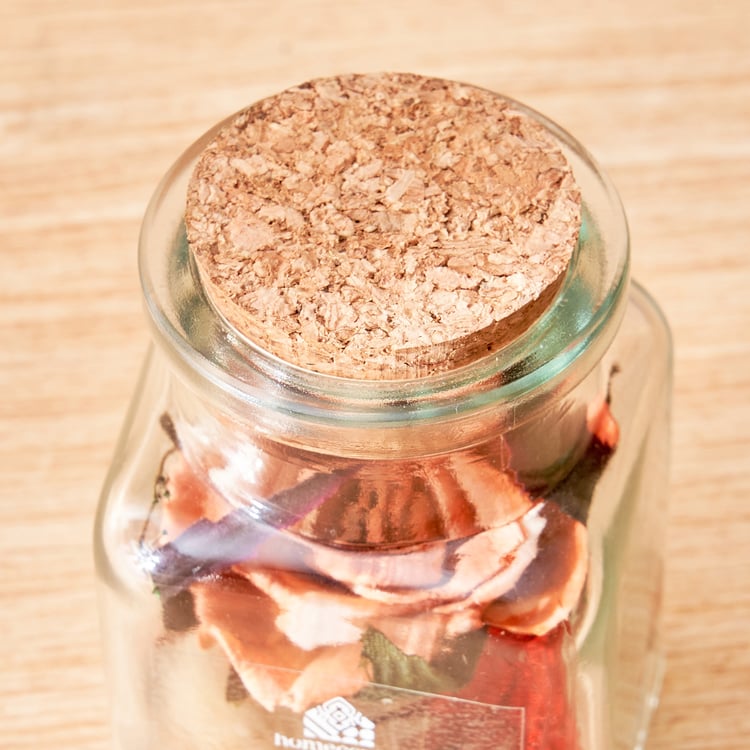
(98, 98)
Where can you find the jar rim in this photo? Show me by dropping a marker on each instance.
(563, 344)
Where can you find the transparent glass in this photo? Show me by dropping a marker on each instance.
(466, 560)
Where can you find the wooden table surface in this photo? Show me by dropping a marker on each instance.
(97, 98)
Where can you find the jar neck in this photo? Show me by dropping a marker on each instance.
(232, 376)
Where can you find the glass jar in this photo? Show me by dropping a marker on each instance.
(470, 559)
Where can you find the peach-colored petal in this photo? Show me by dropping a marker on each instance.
(494, 494)
(187, 498)
(458, 514)
(312, 614)
(422, 567)
(334, 671)
(482, 568)
(502, 565)
(551, 587)
(602, 424)
(274, 671)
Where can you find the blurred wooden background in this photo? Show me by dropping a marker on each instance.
(97, 98)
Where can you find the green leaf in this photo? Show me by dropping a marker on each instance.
(447, 673)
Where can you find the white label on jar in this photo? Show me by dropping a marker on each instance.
(386, 718)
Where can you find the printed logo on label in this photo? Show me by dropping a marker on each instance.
(337, 720)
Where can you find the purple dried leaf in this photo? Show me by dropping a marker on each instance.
(208, 547)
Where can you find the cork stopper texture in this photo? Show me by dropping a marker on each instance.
(382, 226)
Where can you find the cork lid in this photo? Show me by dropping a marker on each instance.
(382, 226)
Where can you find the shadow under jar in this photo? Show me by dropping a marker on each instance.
(460, 556)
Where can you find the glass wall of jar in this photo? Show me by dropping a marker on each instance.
(470, 559)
